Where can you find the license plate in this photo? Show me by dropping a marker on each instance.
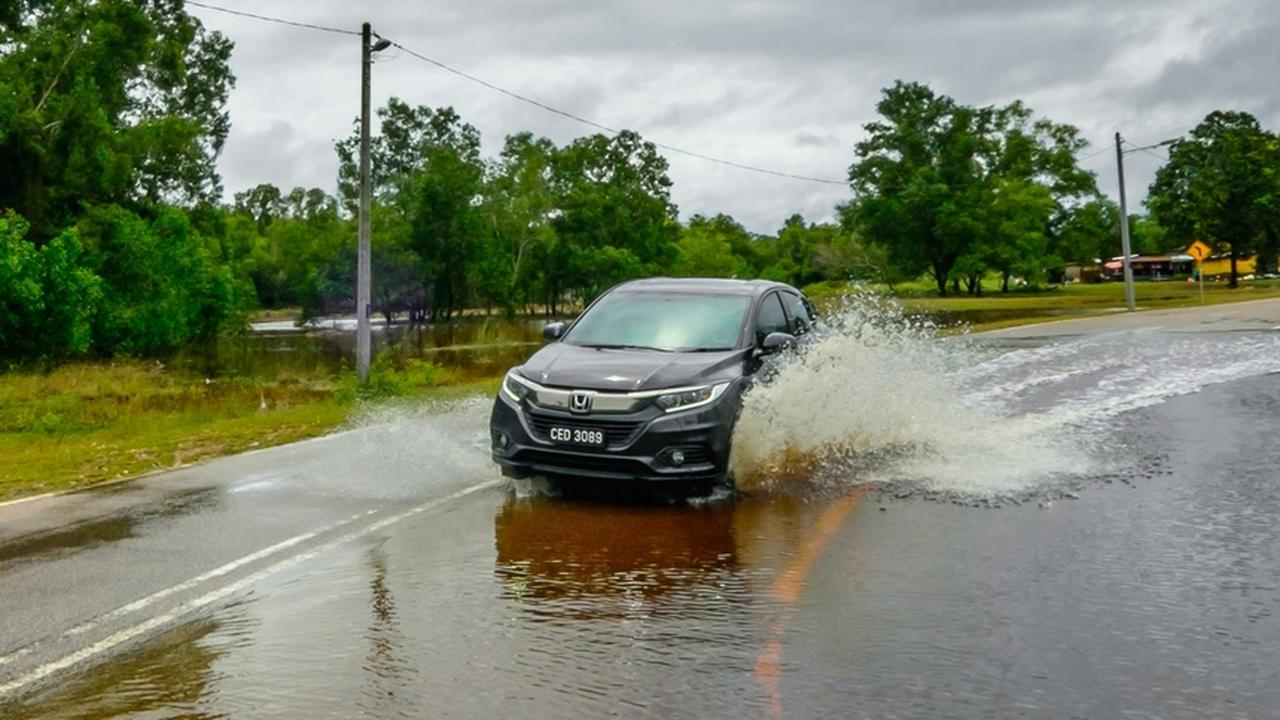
(577, 436)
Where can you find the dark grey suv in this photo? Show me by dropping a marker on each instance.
(646, 384)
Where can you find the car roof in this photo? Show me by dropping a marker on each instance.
(717, 286)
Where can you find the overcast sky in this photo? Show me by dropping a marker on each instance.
(783, 85)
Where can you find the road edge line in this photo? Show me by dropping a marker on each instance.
(123, 636)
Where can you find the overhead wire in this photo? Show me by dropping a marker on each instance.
(271, 19)
(1094, 154)
(523, 98)
(601, 126)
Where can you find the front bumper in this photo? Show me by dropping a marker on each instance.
(639, 445)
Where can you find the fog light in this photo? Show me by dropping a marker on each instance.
(501, 440)
(677, 458)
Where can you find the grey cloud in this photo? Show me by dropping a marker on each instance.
(277, 154)
(775, 83)
(1239, 65)
(808, 139)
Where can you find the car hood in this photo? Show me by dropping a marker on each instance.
(626, 370)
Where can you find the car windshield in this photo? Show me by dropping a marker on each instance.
(667, 321)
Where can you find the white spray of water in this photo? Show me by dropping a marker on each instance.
(882, 399)
(397, 451)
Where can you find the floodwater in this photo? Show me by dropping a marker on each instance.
(474, 347)
(1083, 528)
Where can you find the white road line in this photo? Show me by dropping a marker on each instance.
(185, 585)
(123, 636)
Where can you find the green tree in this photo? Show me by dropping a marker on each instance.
(1017, 242)
(162, 284)
(615, 219)
(47, 299)
(705, 248)
(519, 205)
(426, 165)
(401, 149)
(446, 225)
(1088, 232)
(108, 101)
(1216, 186)
(951, 189)
(1148, 237)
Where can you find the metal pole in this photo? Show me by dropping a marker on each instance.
(1124, 231)
(362, 262)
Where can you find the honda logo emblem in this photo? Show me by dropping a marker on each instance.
(580, 402)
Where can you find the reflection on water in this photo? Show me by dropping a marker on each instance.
(475, 347)
(172, 676)
(568, 555)
(52, 544)
(614, 602)
(385, 666)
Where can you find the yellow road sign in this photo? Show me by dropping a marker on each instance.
(1198, 250)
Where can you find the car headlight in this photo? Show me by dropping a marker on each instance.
(689, 398)
(513, 388)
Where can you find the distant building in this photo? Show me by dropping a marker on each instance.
(1219, 264)
(1150, 267)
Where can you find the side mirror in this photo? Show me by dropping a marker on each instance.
(776, 342)
(553, 331)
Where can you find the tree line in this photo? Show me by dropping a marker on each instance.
(115, 239)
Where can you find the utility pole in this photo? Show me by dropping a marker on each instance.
(363, 279)
(1124, 230)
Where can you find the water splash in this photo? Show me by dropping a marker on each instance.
(881, 398)
(880, 392)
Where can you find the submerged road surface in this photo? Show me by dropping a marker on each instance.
(1102, 541)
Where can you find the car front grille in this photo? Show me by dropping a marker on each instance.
(616, 432)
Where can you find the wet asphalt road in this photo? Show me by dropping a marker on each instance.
(387, 572)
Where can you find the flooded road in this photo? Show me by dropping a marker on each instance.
(1109, 547)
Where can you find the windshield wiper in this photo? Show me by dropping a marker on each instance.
(604, 346)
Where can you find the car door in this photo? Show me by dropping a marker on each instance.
(770, 317)
(800, 318)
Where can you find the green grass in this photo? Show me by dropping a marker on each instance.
(86, 423)
(996, 310)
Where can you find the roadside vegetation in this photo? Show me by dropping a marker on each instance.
(84, 423)
(118, 247)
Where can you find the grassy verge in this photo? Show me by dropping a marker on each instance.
(86, 423)
(996, 310)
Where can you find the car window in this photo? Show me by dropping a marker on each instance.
(801, 320)
(770, 318)
(662, 321)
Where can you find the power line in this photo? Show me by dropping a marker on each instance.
(1155, 155)
(270, 19)
(1094, 154)
(602, 126)
(523, 98)
(1152, 146)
